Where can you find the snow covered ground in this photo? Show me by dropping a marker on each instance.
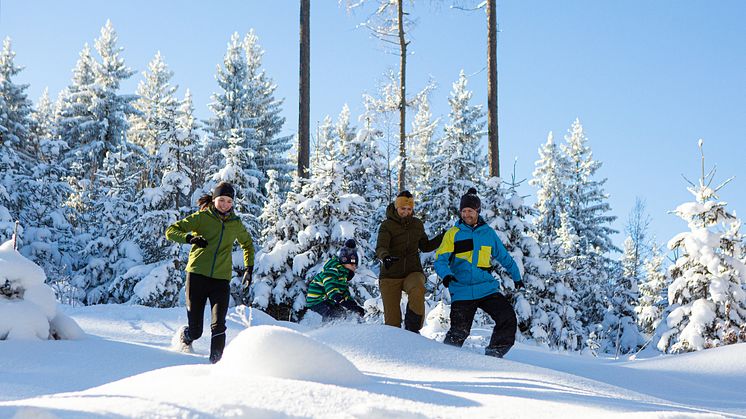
(124, 367)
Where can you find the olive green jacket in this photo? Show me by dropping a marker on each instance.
(403, 238)
(215, 260)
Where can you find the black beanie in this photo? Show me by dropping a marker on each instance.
(223, 189)
(347, 254)
(470, 200)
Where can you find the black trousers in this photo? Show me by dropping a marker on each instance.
(497, 307)
(199, 289)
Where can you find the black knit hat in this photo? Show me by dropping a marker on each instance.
(223, 189)
(470, 200)
(347, 254)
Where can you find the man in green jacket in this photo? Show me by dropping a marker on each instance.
(211, 231)
(401, 237)
(329, 291)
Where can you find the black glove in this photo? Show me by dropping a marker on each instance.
(389, 260)
(198, 241)
(338, 297)
(352, 306)
(248, 276)
(519, 285)
(447, 280)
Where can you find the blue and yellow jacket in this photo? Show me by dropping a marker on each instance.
(467, 253)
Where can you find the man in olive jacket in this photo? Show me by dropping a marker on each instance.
(401, 237)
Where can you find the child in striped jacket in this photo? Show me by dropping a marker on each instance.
(329, 291)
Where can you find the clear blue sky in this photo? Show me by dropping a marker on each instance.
(647, 79)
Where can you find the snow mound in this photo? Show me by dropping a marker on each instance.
(274, 351)
(386, 344)
(252, 316)
(28, 307)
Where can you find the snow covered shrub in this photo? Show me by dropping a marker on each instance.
(28, 308)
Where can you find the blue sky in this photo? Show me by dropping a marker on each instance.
(647, 79)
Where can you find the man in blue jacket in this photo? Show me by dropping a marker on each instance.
(464, 261)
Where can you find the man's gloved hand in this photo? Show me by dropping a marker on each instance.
(248, 276)
(448, 279)
(198, 241)
(389, 260)
(519, 285)
(338, 297)
(352, 306)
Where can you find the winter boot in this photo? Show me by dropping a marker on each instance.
(181, 340)
(217, 344)
(215, 356)
(497, 352)
(412, 321)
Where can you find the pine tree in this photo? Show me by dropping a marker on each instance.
(546, 308)
(15, 139)
(620, 333)
(420, 146)
(316, 220)
(15, 108)
(587, 209)
(265, 113)
(271, 212)
(707, 298)
(460, 162)
(187, 150)
(105, 204)
(587, 204)
(653, 299)
(77, 125)
(233, 130)
(550, 177)
(94, 117)
(43, 130)
(229, 106)
(110, 72)
(157, 281)
(364, 174)
(154, 126)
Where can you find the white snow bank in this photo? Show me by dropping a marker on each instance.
(273, 351)
(28, 307)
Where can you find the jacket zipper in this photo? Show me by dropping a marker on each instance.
(215, 257)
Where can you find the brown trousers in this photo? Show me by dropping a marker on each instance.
(391, 289)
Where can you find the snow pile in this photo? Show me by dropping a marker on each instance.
(28, 308)
(273, 351)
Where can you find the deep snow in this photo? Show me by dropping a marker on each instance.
(125, 367)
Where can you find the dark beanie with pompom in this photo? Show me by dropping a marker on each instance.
(470, 200)
(348, 254)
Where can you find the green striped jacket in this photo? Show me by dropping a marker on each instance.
(331, 281)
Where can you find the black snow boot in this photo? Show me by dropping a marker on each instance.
(215, 356)
(497, 352)
(217, 344)
(412, 321)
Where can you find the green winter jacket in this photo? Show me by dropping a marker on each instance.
(403, 238)
(215, 260)
(331, 281)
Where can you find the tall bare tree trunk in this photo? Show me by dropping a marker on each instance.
(492, 125)
(304, 96)
(402, 97)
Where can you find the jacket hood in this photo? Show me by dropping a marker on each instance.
(391, 214)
